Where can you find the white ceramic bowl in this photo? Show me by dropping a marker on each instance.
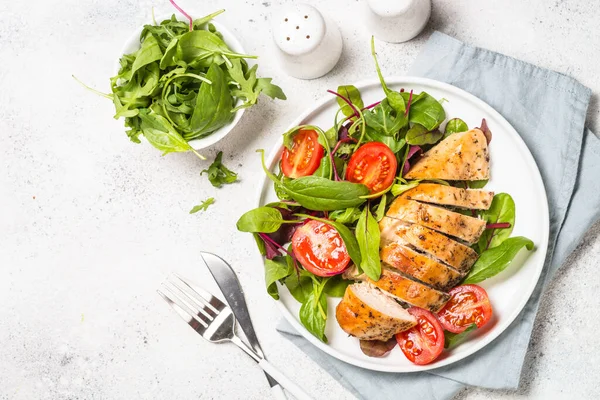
(133, 43)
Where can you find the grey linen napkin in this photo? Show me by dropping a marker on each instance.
(548, 110)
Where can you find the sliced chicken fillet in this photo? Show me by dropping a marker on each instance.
(475, 199)
(420, 266)
(452, 223)
(411, 292)
(439, 246)
(369, 314)
(461, 156)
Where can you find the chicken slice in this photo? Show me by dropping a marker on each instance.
(408, 291)
(434, 193)
(461, 156)
(452, 223)
(369, 314)
(451, 252)
(420, 267)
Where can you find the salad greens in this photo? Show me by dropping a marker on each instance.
(408, 123)
(203, 206)
(183, 83)
(219, 174)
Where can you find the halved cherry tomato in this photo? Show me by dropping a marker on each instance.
(305, 155)
(468, 304)
(320, 249)
(424, 342)
(374, 165)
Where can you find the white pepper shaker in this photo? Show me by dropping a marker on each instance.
(308, 44)
(396, 21)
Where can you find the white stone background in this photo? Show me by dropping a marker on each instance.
(90, 223)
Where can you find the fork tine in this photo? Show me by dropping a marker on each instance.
(192, 301)
(214, 303)
(190, 313)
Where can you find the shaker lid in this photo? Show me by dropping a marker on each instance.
(298, 29)
(387, 8)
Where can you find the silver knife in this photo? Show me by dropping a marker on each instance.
(234, 295)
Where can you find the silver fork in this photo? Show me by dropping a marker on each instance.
(214, 321)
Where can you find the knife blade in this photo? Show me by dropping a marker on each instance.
(229, 285)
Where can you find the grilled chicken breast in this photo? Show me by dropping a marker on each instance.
(441, 247)
(461, 156)
(451, 196)
(420, 267)
(452, 223)
(369, 314)
(411, 292)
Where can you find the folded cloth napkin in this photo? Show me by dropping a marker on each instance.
(548, 110)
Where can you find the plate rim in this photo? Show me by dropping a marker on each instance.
(543, 246)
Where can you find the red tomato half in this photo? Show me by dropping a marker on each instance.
(320, 249)
(374, 165)
(424, 342)
(305, 155)
(468, 304)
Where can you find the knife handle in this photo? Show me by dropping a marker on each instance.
(284, 381)
(278, 393)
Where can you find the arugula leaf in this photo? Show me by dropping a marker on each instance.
(418, 135)
(347, 216)
(353, 94)
(275, 270)
(390, 141)
(395, 99)
(219, 174)
(203, 206)
(261, 219)
(495, 260)
(313, 313)
(454, 339)
(367, 235)
(250, 87)
(399, 188)
(501, 210)
(382, 119)
(455, 125)
(380, 211)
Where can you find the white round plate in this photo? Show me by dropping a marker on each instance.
(513, 170)
(133, 44)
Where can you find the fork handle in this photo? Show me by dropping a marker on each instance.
(283, 380)
(278, 393)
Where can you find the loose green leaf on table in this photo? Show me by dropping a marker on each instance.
(454, 339)
(502, 210)
(367, 235)
(275, 270)
(219, 174)
(496, 259)
(203, 206)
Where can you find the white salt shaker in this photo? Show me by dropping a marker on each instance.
(308, 43)
(396, 21)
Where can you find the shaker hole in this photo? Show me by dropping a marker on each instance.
(297, 27)
(308, 36)
(287, 38)
(286, 20)
(306, 17)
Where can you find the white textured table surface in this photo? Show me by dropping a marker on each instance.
(90, 223)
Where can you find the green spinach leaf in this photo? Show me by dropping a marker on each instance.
(426, 110)
(300, 286)
(495, 260)
(219, 174)
(380, 211)
(347, 216)
(367, 235)
(399, 188)
(313, 313)
(275, 270)
(161, 134)
(477, 184)
(321, 194)
(418, 135)
(454, 339)
(336, 286)
(455, 125)
(501, 210)
(261, 219)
